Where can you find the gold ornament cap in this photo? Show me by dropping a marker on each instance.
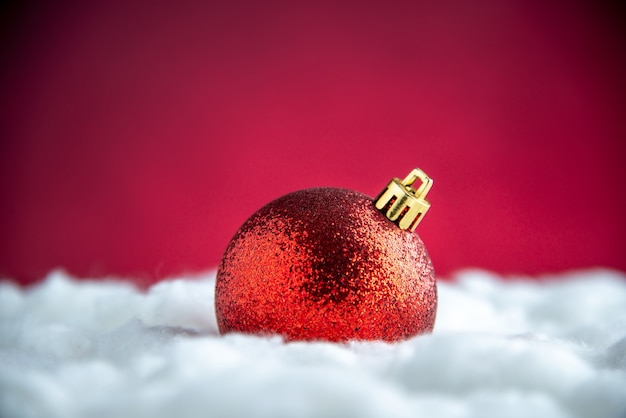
(403, 204)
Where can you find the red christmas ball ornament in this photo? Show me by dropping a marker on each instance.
(331, 264)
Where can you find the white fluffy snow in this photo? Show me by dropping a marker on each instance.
(549, 348)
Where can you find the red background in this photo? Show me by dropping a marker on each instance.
(138, 136)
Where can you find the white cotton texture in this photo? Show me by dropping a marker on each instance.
(552, 347)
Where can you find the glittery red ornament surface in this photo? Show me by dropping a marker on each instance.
(325, 264)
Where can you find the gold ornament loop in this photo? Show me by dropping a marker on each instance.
(404, 205)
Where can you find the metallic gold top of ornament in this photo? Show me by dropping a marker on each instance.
(404, 205)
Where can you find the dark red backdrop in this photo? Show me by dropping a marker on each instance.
(138, 136)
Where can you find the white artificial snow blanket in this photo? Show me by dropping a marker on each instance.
(553, 347)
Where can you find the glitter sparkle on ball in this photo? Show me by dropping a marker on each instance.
(331, 264)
